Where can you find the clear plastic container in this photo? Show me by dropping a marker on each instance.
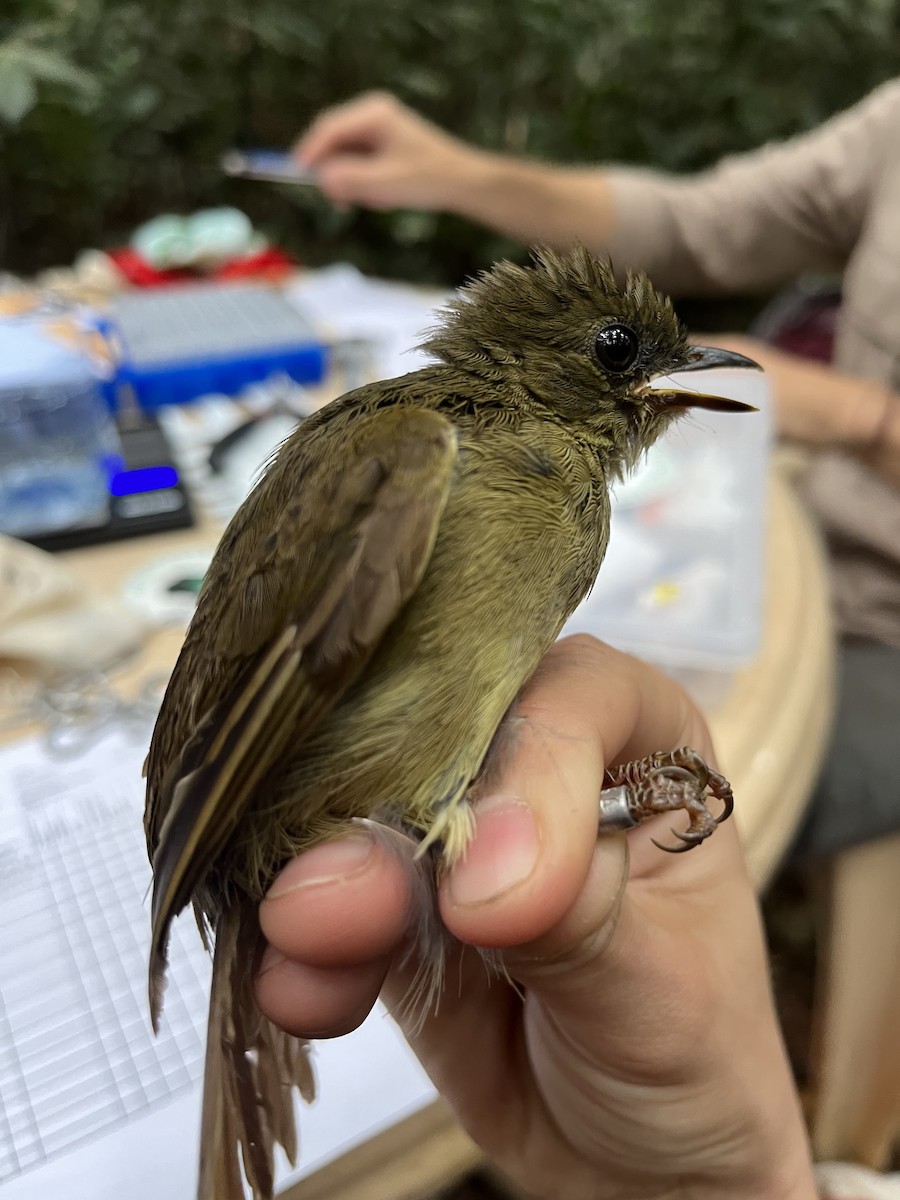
(683, 580)
(58, 440)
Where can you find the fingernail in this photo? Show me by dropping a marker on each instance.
(502, 853)
(270, 958)
(328, 863)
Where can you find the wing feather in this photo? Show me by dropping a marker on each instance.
(336, 581)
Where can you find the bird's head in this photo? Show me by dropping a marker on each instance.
(564, 335)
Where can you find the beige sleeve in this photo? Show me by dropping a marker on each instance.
(757, 219)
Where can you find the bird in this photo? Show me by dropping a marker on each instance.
(372, 611)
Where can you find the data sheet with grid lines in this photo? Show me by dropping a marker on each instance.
(77, 1054)
(78, 1060)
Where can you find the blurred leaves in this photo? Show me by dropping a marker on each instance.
(28, 59)
(120, 109)
(18, 91)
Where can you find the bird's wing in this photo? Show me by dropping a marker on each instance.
(347, 548)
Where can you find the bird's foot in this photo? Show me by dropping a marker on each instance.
(665, 782)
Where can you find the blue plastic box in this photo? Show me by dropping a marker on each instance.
(180, 343)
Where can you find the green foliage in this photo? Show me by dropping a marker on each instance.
(112, 111)
(29, 59)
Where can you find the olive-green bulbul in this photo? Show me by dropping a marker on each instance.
(372, 611)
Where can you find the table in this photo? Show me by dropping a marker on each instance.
(770, 729)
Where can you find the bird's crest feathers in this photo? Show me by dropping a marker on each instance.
(550, 301)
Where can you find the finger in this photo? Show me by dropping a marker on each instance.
(536, 823)
(356, 179)
(468, 1042)
(340, 904)
(629, 707)
(354, 125)
(474, 999)
(313, 1002)
(473, 1044)
(333, 918)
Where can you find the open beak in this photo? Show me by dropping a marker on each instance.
(671, 390)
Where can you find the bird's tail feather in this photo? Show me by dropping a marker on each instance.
(252, 1069)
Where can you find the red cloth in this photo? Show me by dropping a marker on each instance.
(139, 273)
(270, 263)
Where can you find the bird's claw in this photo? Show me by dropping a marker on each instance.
(667, 782)
(690, 840)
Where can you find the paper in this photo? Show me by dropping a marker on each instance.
(394, 317)
(92, 1105)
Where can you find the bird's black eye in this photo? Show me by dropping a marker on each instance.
(616, 347)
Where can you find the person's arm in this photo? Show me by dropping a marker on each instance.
(639, 1055)
(749, 223)
(376, 152)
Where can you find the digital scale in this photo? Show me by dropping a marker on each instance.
(146, 494)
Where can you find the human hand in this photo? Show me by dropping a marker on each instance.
(376, 152)
(643, 1058)
(816, 404)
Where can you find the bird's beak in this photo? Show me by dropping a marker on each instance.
(671, 391)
